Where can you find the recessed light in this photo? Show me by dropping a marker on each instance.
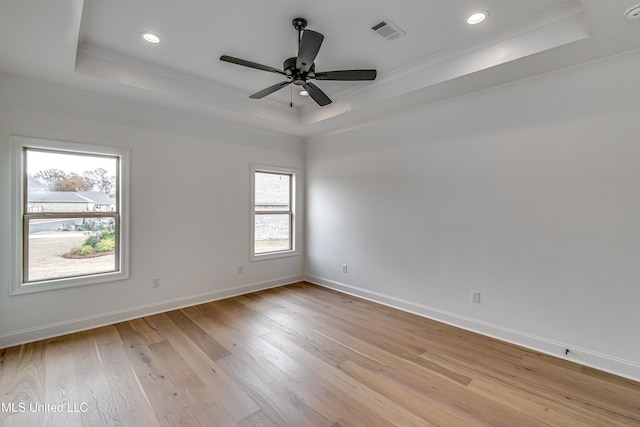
(477, 17)
(150, 37)
(633, 12)
(304, 93)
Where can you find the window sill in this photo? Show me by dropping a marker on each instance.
(273, 255)
(68, 282)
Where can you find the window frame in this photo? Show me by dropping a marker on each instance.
(276, 170)
(19, 146)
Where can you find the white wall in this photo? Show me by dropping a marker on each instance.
(190, 183)
(529, 193)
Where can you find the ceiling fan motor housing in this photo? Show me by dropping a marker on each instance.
(299, 77)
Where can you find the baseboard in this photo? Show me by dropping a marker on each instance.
(89, 322)
(582, 356)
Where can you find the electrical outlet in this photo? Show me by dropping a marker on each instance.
(345, 268)
(240, 269)
(155, 283)
(475, 296)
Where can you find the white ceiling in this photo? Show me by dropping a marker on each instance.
(95, 45)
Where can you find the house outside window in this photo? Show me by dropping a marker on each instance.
(273, 212)
(71, 214)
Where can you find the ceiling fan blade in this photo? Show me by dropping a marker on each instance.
(269, 90)
(250, 64)
(308, 49)
(319, 96)
(347, 75)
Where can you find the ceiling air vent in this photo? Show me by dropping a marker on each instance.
(388, 30)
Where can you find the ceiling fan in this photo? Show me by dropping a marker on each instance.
(300, 69)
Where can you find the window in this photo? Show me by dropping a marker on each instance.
(71, 214)
(272, 227)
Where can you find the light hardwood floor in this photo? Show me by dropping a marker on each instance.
(300, 355)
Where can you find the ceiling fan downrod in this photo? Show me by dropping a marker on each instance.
(299, 24)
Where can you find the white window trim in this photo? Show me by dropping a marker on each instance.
(294, 227)
(18, 144)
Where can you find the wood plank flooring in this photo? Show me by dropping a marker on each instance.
(300, 355)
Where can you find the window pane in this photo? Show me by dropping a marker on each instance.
(272, 192)
(272, 233)
(61, 182)
(69, 247)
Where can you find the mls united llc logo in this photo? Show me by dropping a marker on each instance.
(22, 407)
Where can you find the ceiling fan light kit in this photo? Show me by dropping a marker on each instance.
(300, 69)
